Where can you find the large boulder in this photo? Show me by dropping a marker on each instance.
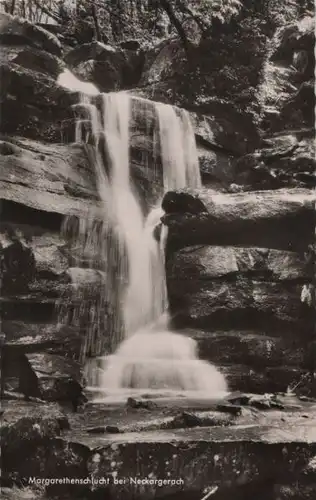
(41, 375)
(109, 68)
(17, 374)
(281, 219)
(32, 58)
(47, 107)
(18, 31)
(17, 265)
(59, 378)
(34, 264)
(271, 379)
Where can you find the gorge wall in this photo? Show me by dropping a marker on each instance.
(240, 252)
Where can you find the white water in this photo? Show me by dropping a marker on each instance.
(162, 360)
(178, 149)
(70, 81)
(150, 357)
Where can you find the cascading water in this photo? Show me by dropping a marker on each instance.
(150, 357)
(142, 297)
(178, 151)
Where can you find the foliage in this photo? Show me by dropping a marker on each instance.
(118, 19)
(37, 11)
(205, 10)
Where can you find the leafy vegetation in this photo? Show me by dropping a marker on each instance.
(116, 19)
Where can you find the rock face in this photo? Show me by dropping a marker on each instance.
(247, 446)
(289, 78)
(284, 160)
(50, 178)
(272, 96)
(282, 219)
(36, 439)
(40, 185)
(218, 68)
(288, 153)
(33, 59)
(211, 285)
(47, 112)
(248, 296)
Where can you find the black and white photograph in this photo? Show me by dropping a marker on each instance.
(157, 250)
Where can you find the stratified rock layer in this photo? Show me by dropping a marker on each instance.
(280, 219)
(248, 297)
(245, 445)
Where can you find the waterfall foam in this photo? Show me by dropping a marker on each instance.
(162, 361)
(70, 81)
(150, 357)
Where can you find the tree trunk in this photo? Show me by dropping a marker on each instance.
(23, 9)
(96, 22)
(167, 7)
(12, 7)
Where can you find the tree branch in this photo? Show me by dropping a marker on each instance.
(52, 15)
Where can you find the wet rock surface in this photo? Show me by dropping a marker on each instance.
(256, 299)
(50, 178)
(177, 433)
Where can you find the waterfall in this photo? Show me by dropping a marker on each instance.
(150, 357)
(143, 299)
(178, 149)
(88, 304)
